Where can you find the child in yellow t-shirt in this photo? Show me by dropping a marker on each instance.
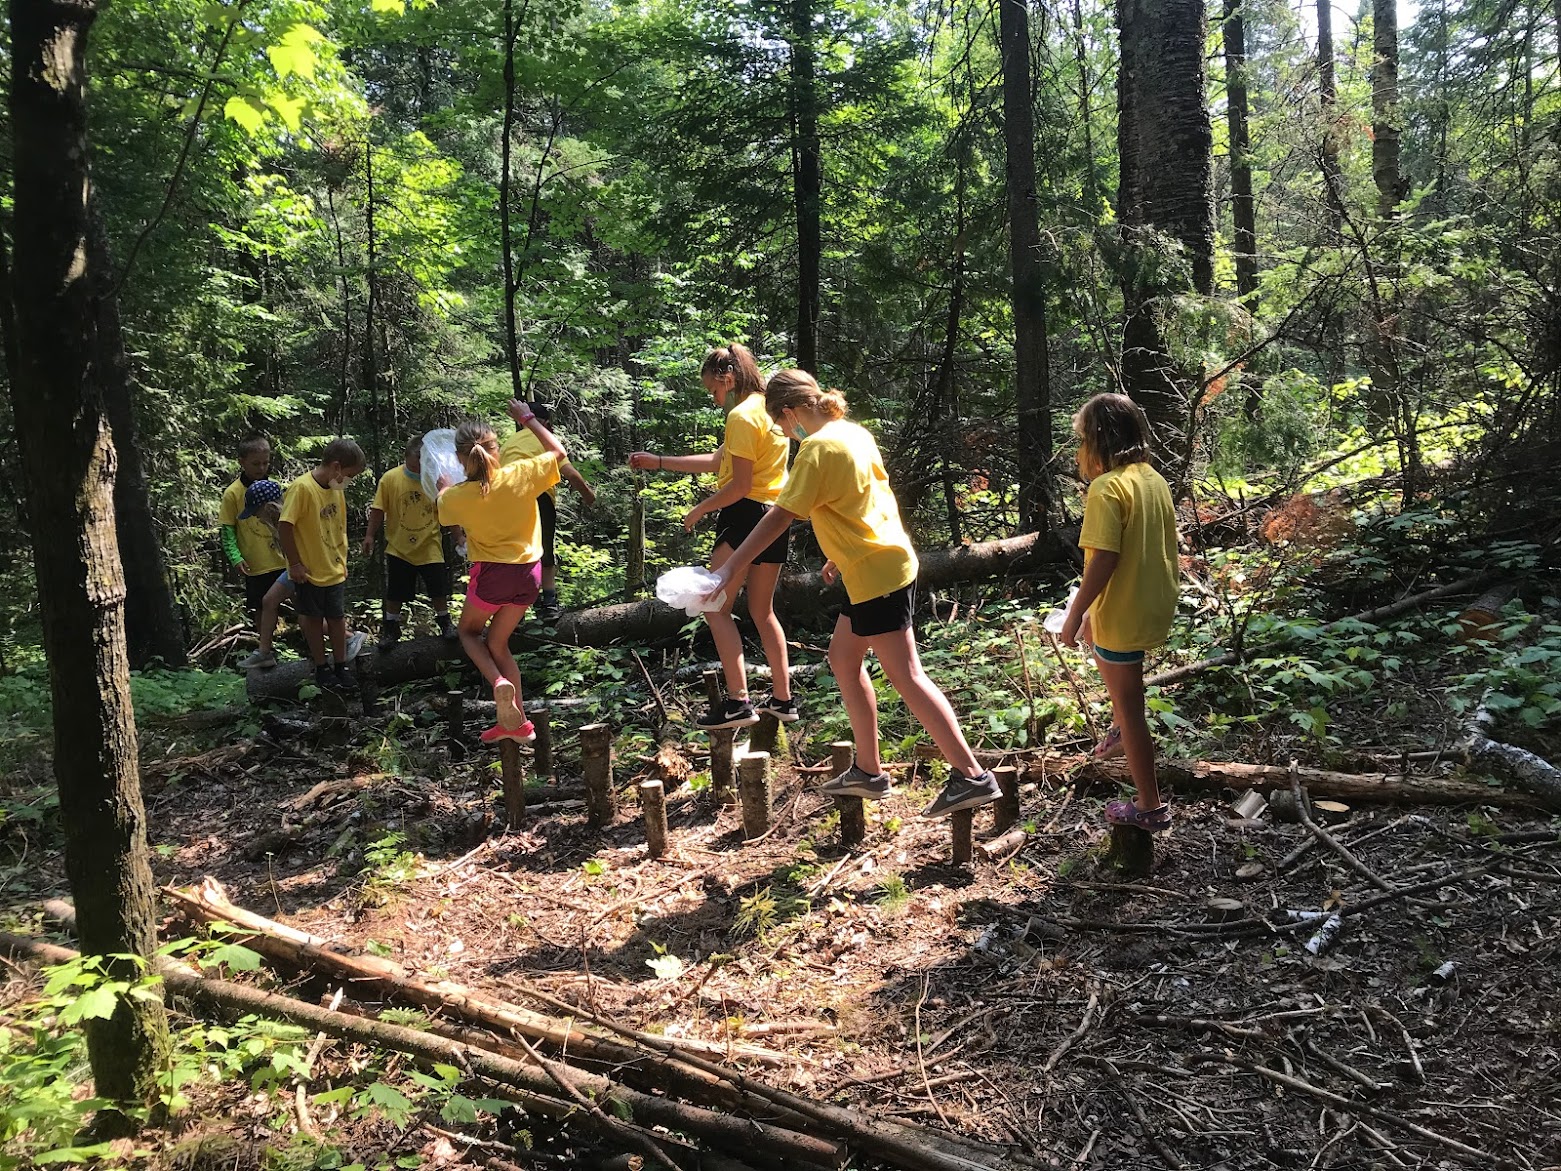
(414, 547)
(313, 531)
(522, 445)
(839, 483)
(497, 506)
(750, 467)
(1127, 599)
(248, 542)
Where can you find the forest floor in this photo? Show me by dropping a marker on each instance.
(1042, 1001)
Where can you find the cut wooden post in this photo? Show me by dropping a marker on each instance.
(1132, 850)
(634, 569)
(514, 783)
(455, 714)
(1005, 812)
(753, 783)
(853, 810)
(713, 687)
(542, 720)
(769, 735)
(601, 804)
(653, 803)
(961, 823)
(721, 778)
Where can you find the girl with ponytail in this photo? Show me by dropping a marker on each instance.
(497, 506)
(750, 468)
(839, 483)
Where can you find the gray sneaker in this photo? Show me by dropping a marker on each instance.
(858, 782)
(962, 792)
(355, 642)
(265, 660)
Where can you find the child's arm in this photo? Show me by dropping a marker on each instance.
(376, 520)
(775, 522)
(741, 483)
(230, 548)
(1102, 564)
(693, 465)
(296, 569)
(575, 480)
(524, 418)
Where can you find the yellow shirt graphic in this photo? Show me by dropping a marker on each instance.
(504, 526)
(839, 483)
(319, 518)
(411, 519)
(524, 445)
(1129, 512)
(257, 542)
(751, 435)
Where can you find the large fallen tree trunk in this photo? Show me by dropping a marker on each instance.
(638, 623)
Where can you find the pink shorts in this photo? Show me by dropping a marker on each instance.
(494, 585)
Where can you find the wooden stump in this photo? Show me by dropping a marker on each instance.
(769, 735)
(653, 804)
(368, 693)
(1131, 851)
(961, 826)
(713, 690)
(455, 715)
(1005, 811)
(721, 777)
(753, 783)
(853, 810)
(542, 719)
(601, 804)
(514, 783)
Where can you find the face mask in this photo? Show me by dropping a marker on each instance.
(800, 432)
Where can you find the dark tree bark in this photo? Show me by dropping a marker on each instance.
(807, 180)
(1328, 96)
(68, 457)
(1243, 209)
(506, 241)
(1385, 116)
(1166, 196)
(153, 631)
(371, 302)
(1032, 390)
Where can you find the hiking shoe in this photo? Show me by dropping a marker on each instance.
(342, 678)
(324, 677)
(447, 629)
(734, 713)
(524, 734)
(858, 782)
(510, 715)
(547, 608)
(264, 660)
(962, 792)
(1127, 813)
(389, 634)
(784, 710)
(355, 643)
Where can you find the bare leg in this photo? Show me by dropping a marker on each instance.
(897, 653)
(1125, 683)
(848, 663)
(500, 627)
(338, 629)
(723, 628)
(314, 635)
(761, 608)
(270, 612)
(549, 577)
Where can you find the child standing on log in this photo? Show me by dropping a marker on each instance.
(497, 506)
(313, 534)
(519, 446)
(1127, 599)
(839, 483)
(414, 547)
(750, 467)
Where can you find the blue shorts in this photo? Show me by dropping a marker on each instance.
(1120, 657)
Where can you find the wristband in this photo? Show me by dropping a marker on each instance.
(524, 419)
(658, 463)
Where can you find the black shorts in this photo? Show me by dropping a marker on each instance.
(886, 614)
(316, 601)
(547, 507)
(255, 587)
(401, 579)
(734, 522)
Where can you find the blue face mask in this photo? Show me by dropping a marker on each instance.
(800, 432)
(411, 475)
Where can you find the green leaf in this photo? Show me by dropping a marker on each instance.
(251, 116)
(76, 1154)
(94, 1004)
(290, 110)
(459, 1109)
(234, 955)
(390, 7)
(294, 53)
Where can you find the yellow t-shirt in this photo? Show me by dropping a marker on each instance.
(524, 445)
(839, 483)
(1129, 511)
(411, 519)
(751, 435)
(257, 542)
(504, 526)
(319, 518)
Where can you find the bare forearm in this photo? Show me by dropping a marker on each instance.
(694, 465)
(284, 533)
(1102, 564)
(762, 536)
(376, 522)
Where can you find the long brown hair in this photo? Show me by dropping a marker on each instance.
(477, 447)
(1112, 431)
(798, 388)
(736, 360)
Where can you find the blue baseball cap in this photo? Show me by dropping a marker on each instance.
(258, 495)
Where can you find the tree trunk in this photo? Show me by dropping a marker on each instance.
(1032, 392)
(1165, 198)
(1328, 99)
(506, 241)
(807, 182)
(371, 309)
(153, 631)
(1243, 209)
(68, 459)
(1385, 119)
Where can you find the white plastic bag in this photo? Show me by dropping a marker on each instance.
(685, 588)
(439, 460)
(1053, 621)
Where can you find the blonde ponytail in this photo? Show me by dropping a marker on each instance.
(477, 447)
(798, 388)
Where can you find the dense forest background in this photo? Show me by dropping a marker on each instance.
(1295, 233)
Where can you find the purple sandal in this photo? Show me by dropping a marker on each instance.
(1110, 746)
(1150, 820)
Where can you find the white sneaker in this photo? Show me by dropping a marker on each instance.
(355, 642)
(264, 660)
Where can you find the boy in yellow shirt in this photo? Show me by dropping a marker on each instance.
(524, 445)
(313, 532)
(413, 546)
(249, 543)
